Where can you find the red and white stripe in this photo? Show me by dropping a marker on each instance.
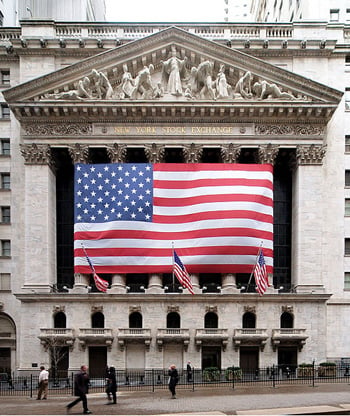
(218, 215)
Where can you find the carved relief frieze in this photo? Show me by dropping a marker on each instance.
(66, 129)
(79, 153)
(134, 308)
(310, 154)
(211, 308)
(288, 129)
(58, 308)
(192, 153)
(268, 153)
(154, 153)
(251, 309)
(177, 72)
(173, 308)
(287, 308)
(37, 154)
(230, 153)
(116, 153)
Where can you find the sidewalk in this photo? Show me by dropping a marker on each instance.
(323, 399)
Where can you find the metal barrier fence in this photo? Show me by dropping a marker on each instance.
(155, 379)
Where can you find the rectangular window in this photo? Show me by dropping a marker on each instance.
(347, 144)
(5, 147)
(347, 15)
(5, 111)
(5, 181)
(334, 15)
(5, 77)
(5, 215)
(347, 281)
(6, 248)
(5, 281)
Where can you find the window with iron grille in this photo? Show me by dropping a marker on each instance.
(347, 178)
(4, 77)
(347, 281)
(5, 181)
(347, 144)
(5, 248)
(5, 215)
(5, 147)
(347, 207)
(347, 246)
(5, 111)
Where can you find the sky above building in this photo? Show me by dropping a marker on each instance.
(164, 11)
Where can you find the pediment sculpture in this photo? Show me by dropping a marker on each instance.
(175, 78)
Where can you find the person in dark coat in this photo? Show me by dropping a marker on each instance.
(111, 388)
(189, 370)
(173, 380)
(81, 388)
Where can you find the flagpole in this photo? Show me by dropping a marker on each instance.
(173, 249)
(251, 274)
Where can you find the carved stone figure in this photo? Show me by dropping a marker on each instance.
(244, 86)
(201, 80)
(174, 70)
(265, 90)
(158, 91)
(101, 86)
(143, 83)
(82, 92)
(221, 85)
(127, 84)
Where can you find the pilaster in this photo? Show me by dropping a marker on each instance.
(40, 218)
(307, 219)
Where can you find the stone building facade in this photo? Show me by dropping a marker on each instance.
(96, 93)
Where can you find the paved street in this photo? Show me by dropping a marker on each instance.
(322, 399)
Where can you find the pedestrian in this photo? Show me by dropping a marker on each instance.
(43, 383)
(81, 387)
(173, 380)
(189, 370)
(111, 388)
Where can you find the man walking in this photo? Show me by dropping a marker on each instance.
(43, 383)
(81, 387)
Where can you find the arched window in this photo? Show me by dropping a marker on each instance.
(135, 320)
(211, 320)
(97, 320)
(60, 320)
(249, 320)
(287, 320)
(173, 320)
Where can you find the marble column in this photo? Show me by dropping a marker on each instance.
(118, 284)
(155, 283)
(229, 283)
(39, 218)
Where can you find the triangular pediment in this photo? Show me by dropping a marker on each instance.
(173, 68)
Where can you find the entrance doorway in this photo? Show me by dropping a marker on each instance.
(249, 358)
(97, 361)
(288, 357)
(211, 357)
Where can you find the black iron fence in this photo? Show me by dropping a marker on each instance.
(155, 379)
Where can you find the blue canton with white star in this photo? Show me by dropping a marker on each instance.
(113, 192)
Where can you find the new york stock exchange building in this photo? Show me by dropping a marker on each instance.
(228, 96)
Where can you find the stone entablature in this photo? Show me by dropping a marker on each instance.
(305, 154)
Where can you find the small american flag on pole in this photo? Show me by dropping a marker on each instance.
(100, 284)
(181, 273)
(260, 274)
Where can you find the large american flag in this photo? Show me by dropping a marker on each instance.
(128, 215)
